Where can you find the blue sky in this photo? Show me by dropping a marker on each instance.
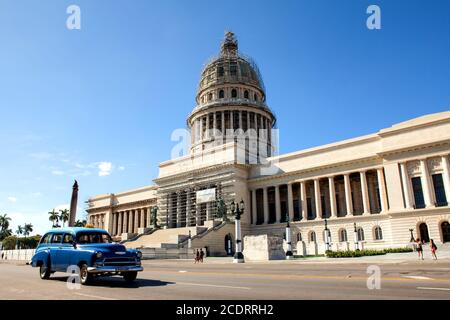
(99, 104)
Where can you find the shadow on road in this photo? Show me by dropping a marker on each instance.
(118, 282)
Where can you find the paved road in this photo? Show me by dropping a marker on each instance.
(220, 279)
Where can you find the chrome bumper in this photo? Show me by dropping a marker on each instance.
(114, 269)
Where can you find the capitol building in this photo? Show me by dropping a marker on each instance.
(374, 191)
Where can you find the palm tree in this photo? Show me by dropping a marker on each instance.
(80, 223)
(64, 216)
(19, 230)
(27, 229)
(53, 217)
(4, 221)
(4, 225)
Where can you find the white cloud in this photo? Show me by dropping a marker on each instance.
(121, 168)
(105, 169)
(12, 199)
(57, 172)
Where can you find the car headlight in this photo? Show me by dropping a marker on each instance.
(139, 254)
(99, 255)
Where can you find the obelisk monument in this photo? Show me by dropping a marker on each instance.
(73, 205)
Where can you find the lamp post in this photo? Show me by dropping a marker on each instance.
(356, 237)
(327, 236)
(289, 254)
(238, 210)
(190, 240)
(412, 236)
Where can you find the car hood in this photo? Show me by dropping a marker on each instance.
(105, 247)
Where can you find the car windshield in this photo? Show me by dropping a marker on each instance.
(93, 237)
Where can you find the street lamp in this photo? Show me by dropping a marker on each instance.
(289, 254)
(190, 240)
(356, 237)
(327, 236)
(238, 210)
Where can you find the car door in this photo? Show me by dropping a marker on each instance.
(66, 251)
(55, 250)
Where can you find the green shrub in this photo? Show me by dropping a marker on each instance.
(361, 253)
(398, 250)
(353, 253)
(9, 243)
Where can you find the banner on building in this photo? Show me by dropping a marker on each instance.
(207, 195)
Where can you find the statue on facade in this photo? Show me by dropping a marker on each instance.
(221, 209)
(154, 213)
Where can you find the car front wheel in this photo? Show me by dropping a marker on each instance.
(85, 277)
(130, 276)
(44, 272)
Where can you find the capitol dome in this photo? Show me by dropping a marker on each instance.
(230, 96)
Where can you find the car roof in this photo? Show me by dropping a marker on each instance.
(75, 230)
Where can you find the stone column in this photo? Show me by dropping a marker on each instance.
(446, 176)
(254, 211)
(266, 206)
(178, 210)
(332, 190)
(125, 222)
(365, 192)
(406, 186)
(277, 204)
(231, 120)
(130, 221)
(119, 224)
(382, 189)
(425, 177)
(198, 214)
(214, 123)
(290, 202)
(208, 211)
(248, 120)
(149, 217)
(240, 120)
(114, 223)
(188, 208)
(317, 198)
(303, 202)
(142, 224)
(348, 194)
(136, 220)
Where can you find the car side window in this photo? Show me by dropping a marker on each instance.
(46, 238)
(68, 238)
(57, 238)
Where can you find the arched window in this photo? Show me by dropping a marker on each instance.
(377, 233)
(210, 96)
(234, 93)
(299, 236)
(245, 94)
(343, 235)
(360, 233)
(221, 94)
(312, 237)
(255, 97)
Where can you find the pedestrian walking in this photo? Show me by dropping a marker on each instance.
(419, 248)
(433, 249)
(197, 257)
(202, 254)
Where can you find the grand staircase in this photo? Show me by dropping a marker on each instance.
(164, 238)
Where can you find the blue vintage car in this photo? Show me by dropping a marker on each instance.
(90, 251)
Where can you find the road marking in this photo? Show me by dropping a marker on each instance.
(430, 288)
(418, 277)
(182, 271)
(211, 285)
(92, 296)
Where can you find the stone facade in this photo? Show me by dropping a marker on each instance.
(371, 190)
